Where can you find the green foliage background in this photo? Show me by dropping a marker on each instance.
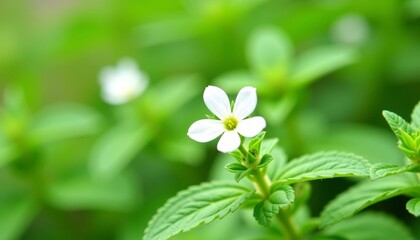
(74, 167)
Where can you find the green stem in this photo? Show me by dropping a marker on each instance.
(288, 227)
(263, 184)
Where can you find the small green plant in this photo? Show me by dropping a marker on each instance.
(275, 189)
(404, 182)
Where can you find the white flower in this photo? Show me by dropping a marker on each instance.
(122, 83)
(231, 123)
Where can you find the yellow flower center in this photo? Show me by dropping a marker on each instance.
(230, 123)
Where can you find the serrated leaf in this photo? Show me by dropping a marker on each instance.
(235, 167)
(318, 62)
(116, 148)
(365, 194)
(197, 205)
(415, 117)
(281, 197)
(266, 159)
(323, 165)
(371, 225)
(381, 170)
(396, 123)
(240, 175)
(63, 121)
(413, 206)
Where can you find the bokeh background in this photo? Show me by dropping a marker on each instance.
(75, 167)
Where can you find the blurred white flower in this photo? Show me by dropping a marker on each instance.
(350, 29)
(122, 83)
(231, 123)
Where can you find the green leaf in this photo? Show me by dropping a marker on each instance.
(397, 123)
(415, 117)
(233, 81)
(197, 205)
(280, 160)
(255, 143)
(237, 155)
(319, 61)
(63, 121)
(413, 206)
(381, 170)
(116, 148)
(235, 167)
(269, 52)
(266, 159)
(7, 151)
(277, 111)
(165, 98)
(323, 165)
(80, 191)
(368, 226)
(240, 175)
(17, 212)
(365, 194)
(281, 197)
(267, 145)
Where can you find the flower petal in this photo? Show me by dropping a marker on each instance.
(205, 130)
(217, 101)
(251, 127)
(245, 103)
(229, 142)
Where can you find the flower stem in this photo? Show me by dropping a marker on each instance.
(286, 224)
(263, 184)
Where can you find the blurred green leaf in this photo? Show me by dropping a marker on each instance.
(231, 82)
(63, 121)
(84, 192)
(415, 116)
(368, 226)
(17, 211)
(281, 197)
(413, 206)
(267, 145)
(276, 166)
(277, 111)
(323, 165)
(176, 28)
(116, 148)
(269, 52)
(7, 151)
(317, 62)
(367, 193)
(169, 95)
(195, 206)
